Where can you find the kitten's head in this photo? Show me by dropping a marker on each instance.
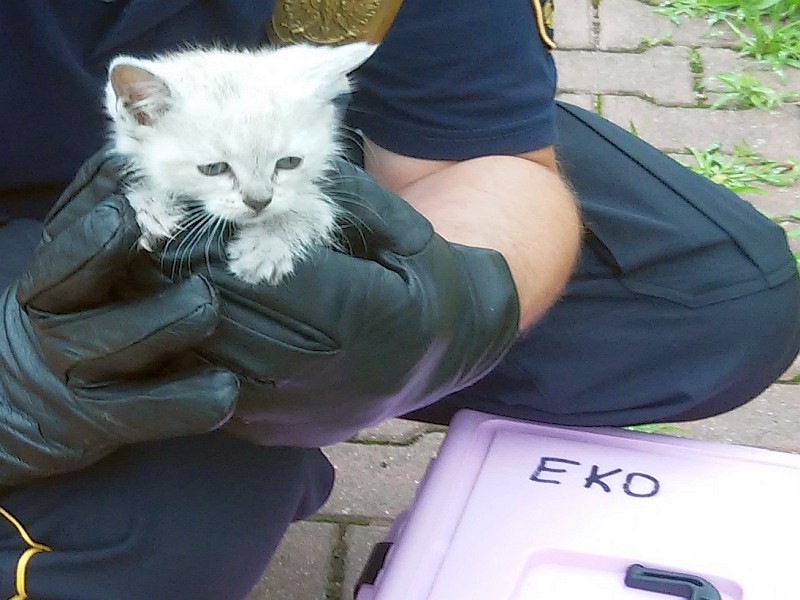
(244, 133)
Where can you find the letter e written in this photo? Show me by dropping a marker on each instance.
(543, 468)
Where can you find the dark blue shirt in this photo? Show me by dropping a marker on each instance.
(440, 86)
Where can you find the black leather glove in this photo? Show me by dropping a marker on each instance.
(350, 340)
(82, 371)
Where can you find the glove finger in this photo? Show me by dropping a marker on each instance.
(128, 339)
(97, 179)
(76, 269)
(335, 280)
(375, 219)
(277, 332)
(185, 404)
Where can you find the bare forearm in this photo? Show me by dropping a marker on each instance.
(513, 205)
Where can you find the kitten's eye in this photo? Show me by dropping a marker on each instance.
(211, 169)
(288, 162)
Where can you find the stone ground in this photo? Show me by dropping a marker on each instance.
(603, 65)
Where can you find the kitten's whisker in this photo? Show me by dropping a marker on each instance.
(214, 233)
(190, 215)
(206, 233)
(354, 109)
(359, 231)
(348, 133)
(220, 247)
(199, 234)
(354, 220)
(360, 203)
(178, 234)
(186, 245)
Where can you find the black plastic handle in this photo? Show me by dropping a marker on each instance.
(681, 585)
(373, 566)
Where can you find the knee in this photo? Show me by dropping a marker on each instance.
(763, 345)
(776, 316)
(203, 530)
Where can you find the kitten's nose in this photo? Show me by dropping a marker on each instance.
(257, 204)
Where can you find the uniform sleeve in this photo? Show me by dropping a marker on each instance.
(456, 79)
(18, 238)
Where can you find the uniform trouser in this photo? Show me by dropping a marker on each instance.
(683, 306)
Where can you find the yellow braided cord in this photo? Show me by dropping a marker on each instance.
(541, 24)
(25, 558)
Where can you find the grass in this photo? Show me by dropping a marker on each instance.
(767, 30)
(649, 42)
(662, 428)
(745, 170)
(742, 89)
(695, 61)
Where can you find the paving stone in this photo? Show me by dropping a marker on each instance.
(775, 134)
(794, 241)
(376, 481)
(573, 24)
(625, 23)
(301, 565)
(773, 201)
(394, 431)
(776, 201)
(359, 541)
(721, 60)
(770, 421)
(617, 31)
(793, 371)
(661, 73)
(583, 100)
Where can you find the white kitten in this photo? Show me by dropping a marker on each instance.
(216, 136)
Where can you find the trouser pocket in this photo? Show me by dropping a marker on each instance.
(661, 229)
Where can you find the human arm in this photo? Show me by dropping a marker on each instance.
(534, 221)
(463, 127)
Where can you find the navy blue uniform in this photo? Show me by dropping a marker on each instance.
(684, 303)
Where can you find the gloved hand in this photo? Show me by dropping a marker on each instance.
(350, 340)
(83, 372)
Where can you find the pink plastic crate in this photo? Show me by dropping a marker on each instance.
(519, 511)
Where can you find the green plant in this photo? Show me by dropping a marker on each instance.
(650, 42)
(745, 170)
(769, 40)
(742, 89)
(695, 61)
(662, 428)
(767, 30)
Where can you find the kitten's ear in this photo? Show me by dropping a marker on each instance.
(337, 62)
(143, 95)
(347, 58)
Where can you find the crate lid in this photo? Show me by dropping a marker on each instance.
(519, 511)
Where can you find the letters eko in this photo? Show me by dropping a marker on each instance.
(635, 485)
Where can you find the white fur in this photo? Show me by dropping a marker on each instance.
(248, 109)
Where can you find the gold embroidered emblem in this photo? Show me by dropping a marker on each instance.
(545, 21)
(331, 21)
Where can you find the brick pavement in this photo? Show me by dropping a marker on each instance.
(632, 65)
